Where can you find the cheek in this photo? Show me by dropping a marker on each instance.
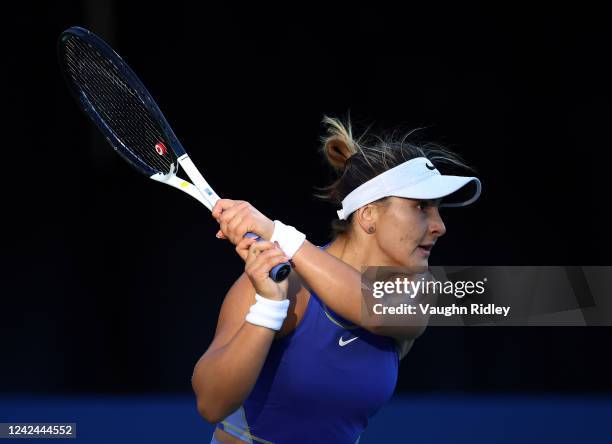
(409, 238)
(404, 231)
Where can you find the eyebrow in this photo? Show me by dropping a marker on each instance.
(435, 202)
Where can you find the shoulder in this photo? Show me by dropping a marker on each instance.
(403, 346)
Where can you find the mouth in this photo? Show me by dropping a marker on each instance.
(425, 249)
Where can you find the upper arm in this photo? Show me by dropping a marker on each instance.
(237, 303)
(234, 309)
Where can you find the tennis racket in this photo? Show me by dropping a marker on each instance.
(109, 92)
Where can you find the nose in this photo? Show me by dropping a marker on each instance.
(436, 224)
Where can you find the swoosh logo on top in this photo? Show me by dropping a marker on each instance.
(342, 342)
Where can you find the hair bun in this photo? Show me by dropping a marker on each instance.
(338, 152)
(338, 145)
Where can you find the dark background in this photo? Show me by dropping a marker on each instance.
(112, 283)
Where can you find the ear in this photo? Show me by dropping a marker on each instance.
(366, 217)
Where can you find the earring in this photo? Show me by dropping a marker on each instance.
(371, 229)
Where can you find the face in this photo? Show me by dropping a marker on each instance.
(406, 230)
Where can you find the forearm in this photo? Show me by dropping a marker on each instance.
(336, 283)
(223, 378)
(339, 286)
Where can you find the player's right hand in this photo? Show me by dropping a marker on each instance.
(260, 257)
(237, 217)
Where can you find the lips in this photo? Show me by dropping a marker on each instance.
(425, 249)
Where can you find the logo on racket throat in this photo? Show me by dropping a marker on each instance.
(161, 149)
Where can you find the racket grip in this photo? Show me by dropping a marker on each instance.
(280, 272)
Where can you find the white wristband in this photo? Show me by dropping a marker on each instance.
(289, 239)
(268, 313)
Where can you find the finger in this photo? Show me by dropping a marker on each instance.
(253, 252)
(222, 205)
(262, 245)
(243, 247)
(265, 262)
(237, 227)
(264, 258)
(278, 246)
(246, 220)
(245, 243)
(256, 249)
(224, 228)
(230, 219)
(220, 235)
(260, 270)
(230, 211)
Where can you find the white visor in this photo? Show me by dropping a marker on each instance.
(415, 179)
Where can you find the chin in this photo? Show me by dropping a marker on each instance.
(417, 263)
(411, 261)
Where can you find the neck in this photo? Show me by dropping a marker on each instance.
(360, 251)
(351, 251)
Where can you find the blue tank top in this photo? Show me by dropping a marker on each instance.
(320, 383)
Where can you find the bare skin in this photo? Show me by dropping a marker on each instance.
(389, 233)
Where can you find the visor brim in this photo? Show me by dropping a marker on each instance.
(440, 186)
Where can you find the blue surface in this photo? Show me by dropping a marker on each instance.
(414, 419)
(493, 419)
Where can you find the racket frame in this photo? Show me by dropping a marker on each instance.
(199, 189)
(134, 82)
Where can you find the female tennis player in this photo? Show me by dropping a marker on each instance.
(293, 362)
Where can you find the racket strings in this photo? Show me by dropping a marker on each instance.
(117, 103)
(115, 112)
(121, 111)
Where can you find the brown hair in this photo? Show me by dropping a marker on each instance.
(357, 160)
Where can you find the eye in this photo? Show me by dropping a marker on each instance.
(423, 204)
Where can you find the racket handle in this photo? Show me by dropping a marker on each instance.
(280, 272)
